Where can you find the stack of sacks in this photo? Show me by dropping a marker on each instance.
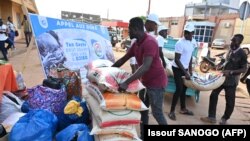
(205, 83)
(114, 115)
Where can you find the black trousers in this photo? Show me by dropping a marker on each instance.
(180, 89)
(230, 101)
(3, 50)
(27, 37)
(248, 85)
(9, 42)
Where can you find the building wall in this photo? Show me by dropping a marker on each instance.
(175, 25)
(30, 4)
(224, 29)
(6, 10)
(226, 26)
(243, 28)
(234, 3)
(17, 19)
(14, 9)
(219, 1)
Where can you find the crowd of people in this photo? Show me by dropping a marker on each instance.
(9, 31)
(146, 52)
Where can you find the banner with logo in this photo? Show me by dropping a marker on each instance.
(72, 44)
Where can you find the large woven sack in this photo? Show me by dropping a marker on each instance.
(95, 92)
(109, 78)
(115, 137)
(110, 118)
(122, 101)
(168, 68)
(168, 53)
(99, 63)
(210, 82)
(10, 104)
(124, 132)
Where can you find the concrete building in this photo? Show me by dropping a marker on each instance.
(210, 24)
(244, 28)
(81, 17)
(15, 9)
(211, 8)
(120, 27)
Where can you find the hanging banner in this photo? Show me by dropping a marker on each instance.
(72, 44)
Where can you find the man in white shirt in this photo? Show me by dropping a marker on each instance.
(3, 38)
(12, 30)
(151, 24)
(161, 39)
(182, 66)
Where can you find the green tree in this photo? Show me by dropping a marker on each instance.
(143, 18)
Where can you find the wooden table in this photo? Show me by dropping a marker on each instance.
(7, 79)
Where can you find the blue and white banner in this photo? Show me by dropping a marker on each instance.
(72, 44)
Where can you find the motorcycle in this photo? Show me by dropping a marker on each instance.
(208, 63)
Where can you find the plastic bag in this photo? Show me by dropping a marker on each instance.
(70, 78)
(2, 131)
(11, 120)
(16, 33)
(37, 125)
(78, 132)
(20, 82)
(10, 104)
(65, 119)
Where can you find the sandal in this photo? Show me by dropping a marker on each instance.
(186, 112)
(172, 116)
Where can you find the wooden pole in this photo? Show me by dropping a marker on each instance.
(149, 5)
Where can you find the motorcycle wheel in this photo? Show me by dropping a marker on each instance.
(204, 66)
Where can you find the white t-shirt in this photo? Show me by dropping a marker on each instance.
(3, 36)
(11, 26)
(160, 41)
(185, 48)
(132, 60)
(195, 44)
(152, 33)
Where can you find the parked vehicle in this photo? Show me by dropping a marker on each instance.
(246, 48)
(113, 38)
(208, 63)
(219, 43)
(126, 43)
